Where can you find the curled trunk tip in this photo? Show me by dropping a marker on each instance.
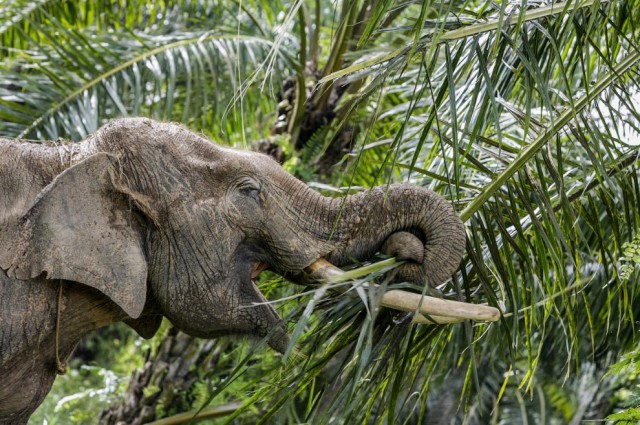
(370, 218)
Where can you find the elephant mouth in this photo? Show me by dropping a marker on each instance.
(259, 268)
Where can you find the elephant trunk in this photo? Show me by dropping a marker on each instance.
(367, 219)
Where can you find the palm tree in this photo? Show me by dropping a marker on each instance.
(524, 114)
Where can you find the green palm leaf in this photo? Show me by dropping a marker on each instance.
(526, 117)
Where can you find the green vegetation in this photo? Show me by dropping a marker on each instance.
(82, 393)
(524, 114)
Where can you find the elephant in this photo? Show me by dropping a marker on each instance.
(144, 219)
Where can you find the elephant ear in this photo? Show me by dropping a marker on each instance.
(81, 228)
(146, 325)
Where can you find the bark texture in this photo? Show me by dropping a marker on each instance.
(164, 383)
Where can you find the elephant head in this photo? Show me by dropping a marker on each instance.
(161, 220)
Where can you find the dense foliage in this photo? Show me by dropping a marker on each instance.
(524, 114)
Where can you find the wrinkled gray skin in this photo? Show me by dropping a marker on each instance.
(146, 219)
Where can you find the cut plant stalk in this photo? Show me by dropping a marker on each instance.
(428, 310)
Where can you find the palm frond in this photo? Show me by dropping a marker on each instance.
(526, 118)
(184, 78)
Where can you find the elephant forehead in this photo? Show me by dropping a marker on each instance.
(147, 138)
(251, 161)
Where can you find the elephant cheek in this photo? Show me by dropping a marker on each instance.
(235, 309)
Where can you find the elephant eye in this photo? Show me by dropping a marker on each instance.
(250, 188)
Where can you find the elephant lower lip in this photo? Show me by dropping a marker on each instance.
(258, 269)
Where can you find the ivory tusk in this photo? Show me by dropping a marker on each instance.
(429, 310)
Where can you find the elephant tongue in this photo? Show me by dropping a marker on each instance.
(259, 268)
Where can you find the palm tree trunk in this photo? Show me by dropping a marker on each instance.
(164, 385)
